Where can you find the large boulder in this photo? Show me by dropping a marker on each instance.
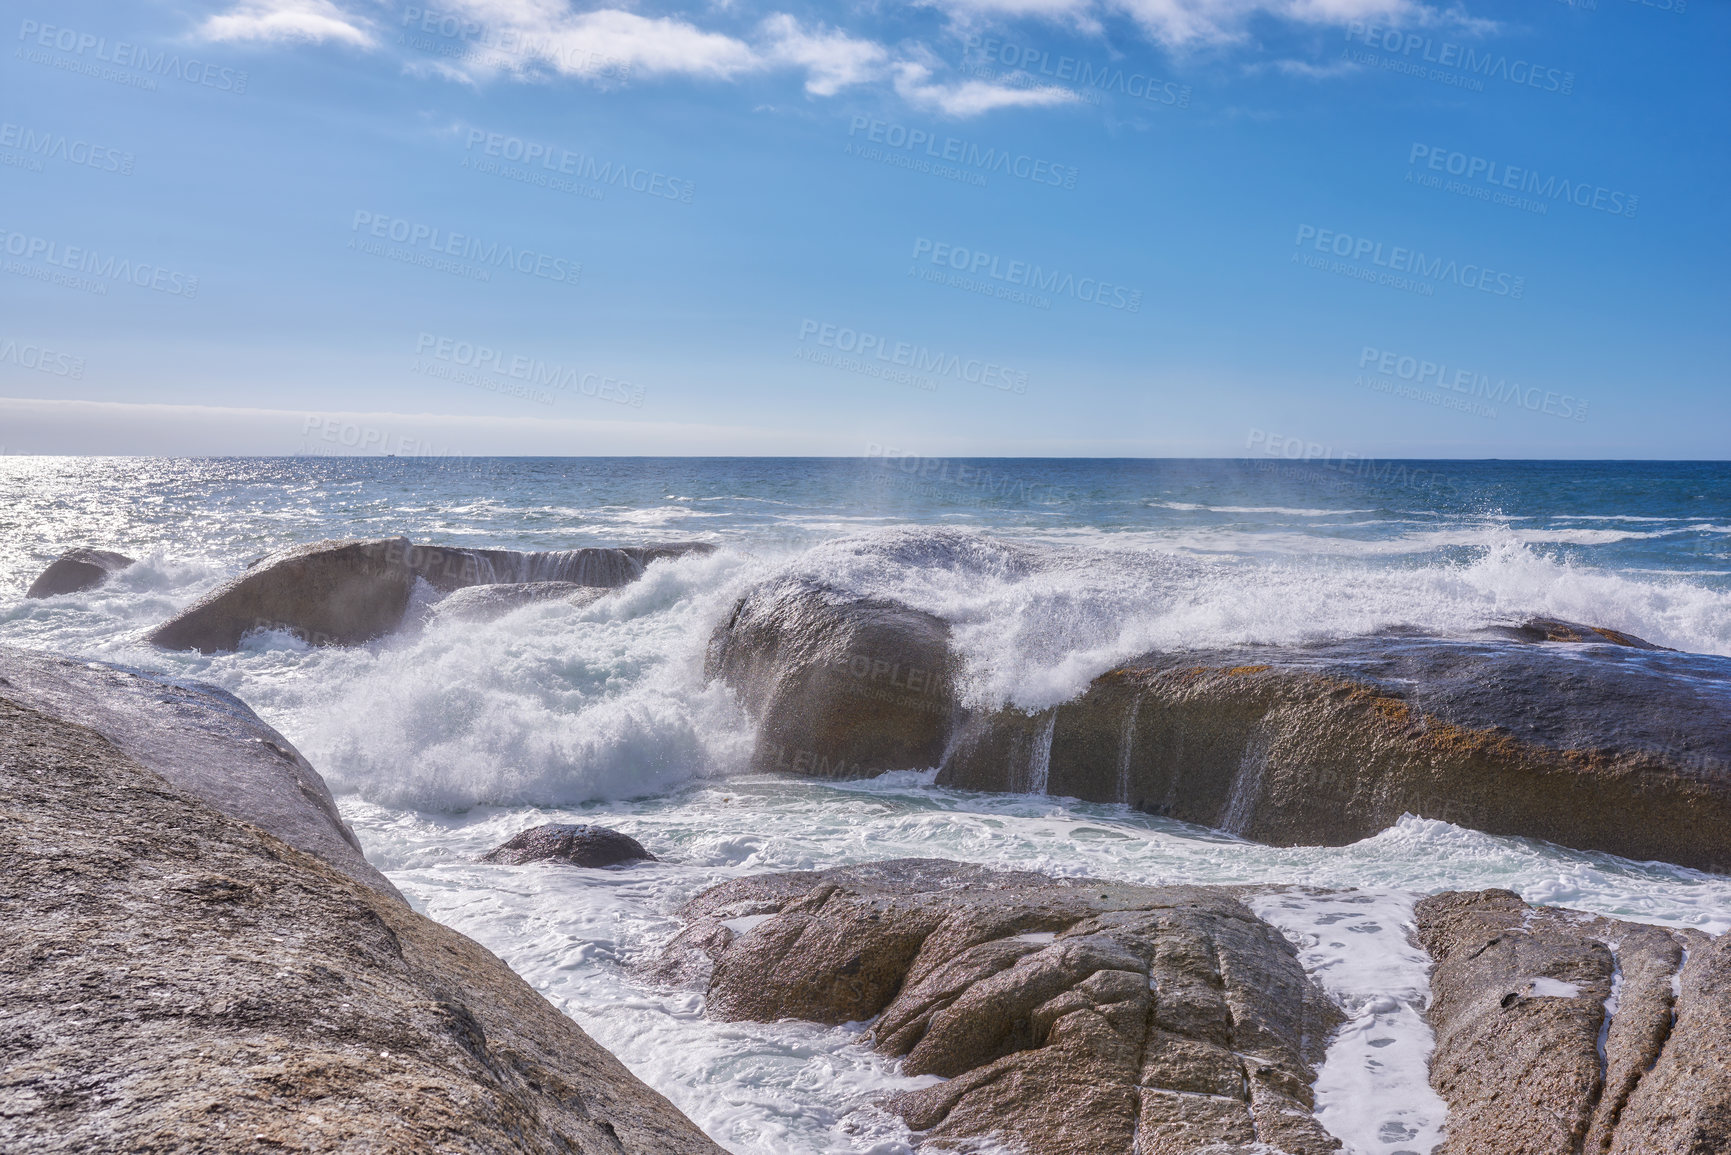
(180, 980)
(77, 570)
(1596, 746)
(1580, 735)
(201, 739)
(1068, 1016)
(575, 844)
(327, 593)
(841, 687)
(1560, 1033)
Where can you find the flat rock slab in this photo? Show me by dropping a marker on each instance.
(77, 570)
(1069, 1016)
(576, 844)
(1562, 1033)
(178, 980)
(202, 739)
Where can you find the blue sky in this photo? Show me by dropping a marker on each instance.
(985, 227)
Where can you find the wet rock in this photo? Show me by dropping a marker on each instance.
(1561, 1033)
(203, 740)
(484, 603)
(186, 981)
(577, 844)
(77, 570)
(1600, 747)
(328, 593)
(840, 687)
(1556, 630)
(449, 568)
(1581, 736)
(1069, 1016)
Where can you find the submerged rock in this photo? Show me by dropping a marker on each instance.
(577, 844)
(484, 603)
(840, 687)
(186, 981)
(327, 593)
(1603, 742)
(1069, 1016)
(1562, 1033)
(76, 570)
(203, 740)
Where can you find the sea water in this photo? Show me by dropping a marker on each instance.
(447, 737)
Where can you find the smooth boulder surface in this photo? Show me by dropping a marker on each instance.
(841, 687)
(327, 593)
(77, 570)
(1561, 1033)
(487, 602)
(576, 844)
(203, 740)
(1069, 1016)
(179, 980)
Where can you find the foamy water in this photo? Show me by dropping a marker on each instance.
(444, 739)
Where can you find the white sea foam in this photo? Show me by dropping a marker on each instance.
(1037, 623)
(1373, 1089)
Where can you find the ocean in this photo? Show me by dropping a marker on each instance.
(444, 739)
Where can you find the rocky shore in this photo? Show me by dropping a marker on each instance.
(199, 959)
(203, 959)
(1074, 1016)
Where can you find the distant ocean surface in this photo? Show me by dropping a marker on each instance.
(442, 741)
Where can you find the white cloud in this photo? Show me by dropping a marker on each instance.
(523, 35)
(1194, 23)
(833, 60)
(1186, 23)
(914, 84)
(314, 21)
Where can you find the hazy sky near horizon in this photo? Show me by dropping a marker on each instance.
(970, 227)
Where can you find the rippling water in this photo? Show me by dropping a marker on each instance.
(442, 741)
